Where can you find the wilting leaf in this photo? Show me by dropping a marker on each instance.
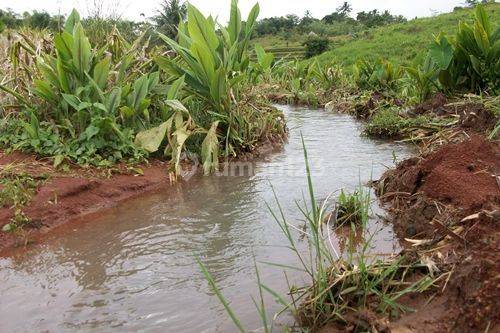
(210, 150)
(176, 105)
(150, 140)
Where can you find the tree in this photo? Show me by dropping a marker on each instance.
(472, 3)
(340, 15)
(345, 9)
(169, 16)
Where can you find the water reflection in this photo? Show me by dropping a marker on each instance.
(133, 269)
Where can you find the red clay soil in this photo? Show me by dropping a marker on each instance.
(429, 197)
(66, 196)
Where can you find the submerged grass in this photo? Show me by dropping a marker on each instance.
(342, 289)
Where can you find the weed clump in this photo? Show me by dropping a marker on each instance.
(387, 123)
(352, 208)
(16, 191)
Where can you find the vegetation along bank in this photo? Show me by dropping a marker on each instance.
(88, 122)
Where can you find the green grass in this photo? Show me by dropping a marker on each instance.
(400, 43)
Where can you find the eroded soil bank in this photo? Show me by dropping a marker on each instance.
(65, 196)
(445, 205)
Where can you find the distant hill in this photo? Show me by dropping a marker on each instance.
(400, 43)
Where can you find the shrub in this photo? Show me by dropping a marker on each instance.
(316, 46)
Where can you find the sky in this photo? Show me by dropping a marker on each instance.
(132, 9)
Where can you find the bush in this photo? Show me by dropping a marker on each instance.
(316, 46)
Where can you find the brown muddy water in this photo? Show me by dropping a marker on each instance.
(132, 269)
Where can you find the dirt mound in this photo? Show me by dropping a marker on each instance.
(435, 105)
(475, 117)
(449, 200)
(462, 174)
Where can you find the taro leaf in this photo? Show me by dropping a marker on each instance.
(150, 140)
(441, 52)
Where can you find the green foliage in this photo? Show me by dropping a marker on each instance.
(472, 61)
(262, 67)
(374, 18)
(353, 208)
(387, 123)
(214, 64)
(85, 103)
(381, 75)
(316, 46)
(399, 43)
(168, 17)
(16, 191)
(422, 80)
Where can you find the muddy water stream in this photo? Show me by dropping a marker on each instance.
(132, 269)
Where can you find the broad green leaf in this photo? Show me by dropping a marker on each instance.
(200, 29)
(175, 88)
(62, 77)
(44, 90)
(140, 91)
(482, 19)
(63, 43)
(441, 52)
(113, 99)
(234, 26)
(91, 131)
(72, 20)
(252, 18)
(72, 100)
(81, 51)
(101, 72)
